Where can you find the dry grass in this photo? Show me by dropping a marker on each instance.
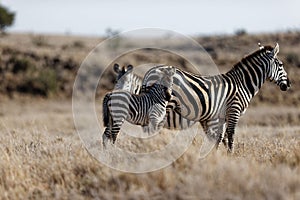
(43, 158)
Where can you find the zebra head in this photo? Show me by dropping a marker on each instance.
(277, 73)
(165, 79)
(155, 74)
(124, 76)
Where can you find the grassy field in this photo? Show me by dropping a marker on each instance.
(42, 156)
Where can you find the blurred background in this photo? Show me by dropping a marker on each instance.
(193, 17)
(44, 42)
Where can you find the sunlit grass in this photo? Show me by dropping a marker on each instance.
(41, 156)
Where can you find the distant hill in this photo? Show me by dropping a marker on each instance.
(46, 65)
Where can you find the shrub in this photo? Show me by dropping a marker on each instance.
(42, 83)
(78, 44)
(293, 58)
(40, 41)
(20, 64)
(48, 80)
(6, 18)
(240, 32)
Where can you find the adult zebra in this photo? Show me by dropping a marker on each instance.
(147, 109)
(131, 82)
(218, 101)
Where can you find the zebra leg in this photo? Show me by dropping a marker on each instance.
(115, 130)
(232, 122)
(162, 123)
(169, 123)
(153, 125)
(157, 118)
(145, 129)
(230, 133)
(215, 130)
(204, 126)
(225, 140)
(222, 126)
(209, 141)
(111, 133)
(212, 130)
(221, 131)
(106, 136)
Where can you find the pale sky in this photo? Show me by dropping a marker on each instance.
(93, 17)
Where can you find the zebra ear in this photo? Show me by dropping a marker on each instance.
(275, 50)
(260, 46)
(169, 72)
(173, 71)
(116, 68)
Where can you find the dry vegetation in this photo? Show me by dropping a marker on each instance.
(42, 157)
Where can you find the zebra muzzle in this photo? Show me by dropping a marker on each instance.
(288, 83)
(284, 86)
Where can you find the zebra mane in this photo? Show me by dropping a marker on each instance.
(259, 51)
(262, 49)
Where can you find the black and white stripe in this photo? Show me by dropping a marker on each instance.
(131, 82)
(147, 109)
(127, 80)
(218, 101)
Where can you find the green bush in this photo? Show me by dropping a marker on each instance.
(48, 78)
(6, 18)
(43, 83)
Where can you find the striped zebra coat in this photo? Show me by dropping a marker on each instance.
(147, 109)
(128, 81)
(217, 102)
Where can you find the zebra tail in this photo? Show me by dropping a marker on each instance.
(105, 110)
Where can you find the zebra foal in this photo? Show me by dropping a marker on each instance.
(147, 109)
(129, 81)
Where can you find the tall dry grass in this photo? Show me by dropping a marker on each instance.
(41, 157)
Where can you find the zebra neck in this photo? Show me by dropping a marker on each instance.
(250, 73)
(157, 93)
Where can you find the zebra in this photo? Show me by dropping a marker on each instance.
(147, 109)
(217, 102)
(129, 81)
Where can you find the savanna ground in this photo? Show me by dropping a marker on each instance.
(42, 157)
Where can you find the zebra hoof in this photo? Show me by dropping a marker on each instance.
(230, 152)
